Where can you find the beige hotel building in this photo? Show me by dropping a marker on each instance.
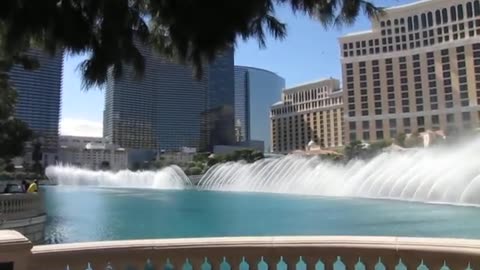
(309, 112)
(417, 69)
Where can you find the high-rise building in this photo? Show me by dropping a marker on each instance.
(168, 108)
(309, 112)
(255, 91)
(38, 100)
(417, 69)
(218, 117)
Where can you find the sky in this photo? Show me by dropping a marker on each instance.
(309, 52)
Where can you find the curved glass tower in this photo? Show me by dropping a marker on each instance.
(168, 108)
(255, 91)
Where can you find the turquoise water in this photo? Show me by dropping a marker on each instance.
(93, 214)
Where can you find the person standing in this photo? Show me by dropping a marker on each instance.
(33, 188)
(25, 186)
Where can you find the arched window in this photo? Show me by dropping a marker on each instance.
(438, 17)
(389, 23)
(460, 12)
(410, 24)
(445, 15)
(395, 22)
(424, 20)
(476, 7)
(415, 22)
(402, 21)
(453, 13)
(430, 19)
(382, 23)
(469, 10)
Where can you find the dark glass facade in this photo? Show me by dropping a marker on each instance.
(255, 91)
(39, 97)
(167, 108)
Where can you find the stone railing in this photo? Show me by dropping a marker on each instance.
(21, 206)
(304, 252)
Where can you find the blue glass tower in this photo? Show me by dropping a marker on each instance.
(168, 108)
(39, 97)
(255, 91)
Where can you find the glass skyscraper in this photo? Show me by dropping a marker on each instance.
(255, 91)
(168, 108)
(39, 97)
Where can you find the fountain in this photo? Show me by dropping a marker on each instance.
(438, 175)
(171, 177)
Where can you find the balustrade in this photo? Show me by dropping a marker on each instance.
(19, 206)
(252, 253)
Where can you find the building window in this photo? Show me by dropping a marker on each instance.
(421, 121)
(469, 10)
(438, 17)
(379, 135)
(393, 123)
(460, 12)
(430, 19)
(453, 13)
(445, 15)
(424, 20)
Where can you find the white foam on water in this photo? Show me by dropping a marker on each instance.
(438, 175)
(171, 177)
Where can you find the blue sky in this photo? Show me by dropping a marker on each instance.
(308, 53)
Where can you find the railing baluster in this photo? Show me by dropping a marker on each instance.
(253, 262)
(215, 262)
(328, 261)
(234, 261)
(311, 262)
(350, 260)
(158, 262)
(178, 263)
(272, 262)
(196, 262)
(291, 262)
(370, 262)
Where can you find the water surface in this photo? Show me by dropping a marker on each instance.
(92, 214)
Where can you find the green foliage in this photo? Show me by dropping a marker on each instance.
(400, 139)
(188, 31)
(354, 150)
(13, 135)
(193, 171)
(201, 157)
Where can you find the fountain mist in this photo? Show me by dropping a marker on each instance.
(432, 175)
(171, 177)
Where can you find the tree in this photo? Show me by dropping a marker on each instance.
(354, 150)
(189, 31)
(400, 139)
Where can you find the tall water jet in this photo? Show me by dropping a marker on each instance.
(171, 177)
(443, 175)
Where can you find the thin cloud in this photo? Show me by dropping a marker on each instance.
(81, 127)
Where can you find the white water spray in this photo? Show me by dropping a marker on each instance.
(171, 177)
(443, 175)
